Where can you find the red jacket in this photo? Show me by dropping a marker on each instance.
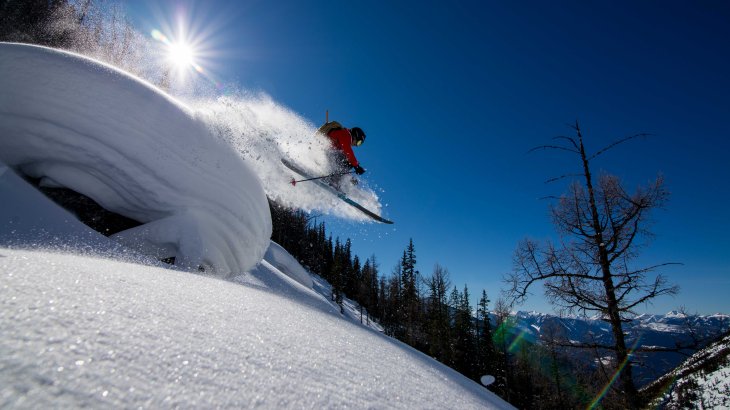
(342, 140)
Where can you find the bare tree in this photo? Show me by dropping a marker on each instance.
(601, 227)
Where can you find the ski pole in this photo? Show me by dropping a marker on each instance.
(294, 181)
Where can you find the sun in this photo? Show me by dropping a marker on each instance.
(181, 56)
(183, 47)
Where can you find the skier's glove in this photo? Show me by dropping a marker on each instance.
(359, 170)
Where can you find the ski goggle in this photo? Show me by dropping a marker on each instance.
(358, 142)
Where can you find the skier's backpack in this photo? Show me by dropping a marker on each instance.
(329, 127)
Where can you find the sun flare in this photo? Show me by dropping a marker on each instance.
(181, 55)
(183, 49)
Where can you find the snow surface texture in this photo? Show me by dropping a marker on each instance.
(715, 389)
(280, 259)
(80, 331)
(84, 125)
(85, 332)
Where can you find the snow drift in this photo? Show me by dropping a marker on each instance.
(28, 219)
(76, 123)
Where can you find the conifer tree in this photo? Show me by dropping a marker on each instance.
(368, 289)
(363, 292)
(336, 274)
(437, 324)
(394, 311)
(485, 344)
(353, 279)
(329, 258)
(410, 297)
(464, 347)
(373, 286)
(382, 301)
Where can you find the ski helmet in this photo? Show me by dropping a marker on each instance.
(358, 136)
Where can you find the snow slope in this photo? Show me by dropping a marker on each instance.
(84, 125)
(701, 382)
(85, 331)
(79, 331)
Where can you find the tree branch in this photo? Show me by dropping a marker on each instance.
(569, 139)
(613, 144)
(562, 177)
(557, 147)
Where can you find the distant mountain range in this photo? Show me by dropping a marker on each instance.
(664, 331)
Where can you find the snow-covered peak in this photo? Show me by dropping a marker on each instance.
(528, 314)
(675, 314)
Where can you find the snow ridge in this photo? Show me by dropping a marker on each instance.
(702, 381)
(86, 126)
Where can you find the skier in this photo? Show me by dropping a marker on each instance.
(343, 139)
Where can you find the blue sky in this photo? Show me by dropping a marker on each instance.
(452, 96)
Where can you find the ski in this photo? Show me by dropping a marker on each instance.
(336, 192)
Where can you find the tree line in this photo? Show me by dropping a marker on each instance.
(432, 315)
